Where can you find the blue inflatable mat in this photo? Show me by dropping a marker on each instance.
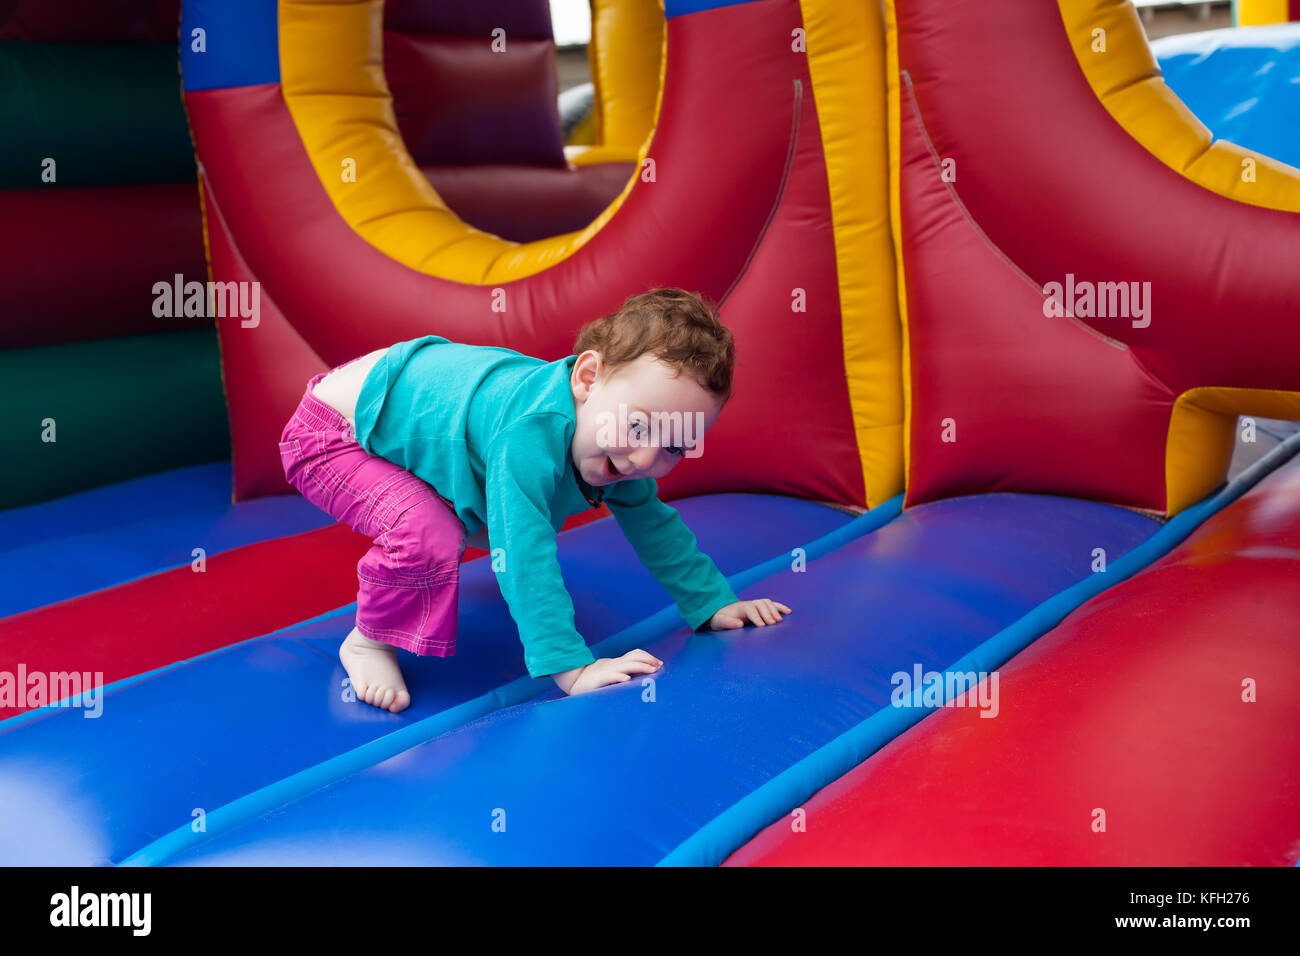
(625, 774)
(104, 537)
(1243, 83)
(202, 733)
(100, 509)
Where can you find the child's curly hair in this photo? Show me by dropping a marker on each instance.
(679, 328)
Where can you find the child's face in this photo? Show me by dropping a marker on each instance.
(642, 438)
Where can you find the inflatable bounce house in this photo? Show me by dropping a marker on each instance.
(1005, 309)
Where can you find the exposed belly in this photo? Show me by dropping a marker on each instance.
(341, 387)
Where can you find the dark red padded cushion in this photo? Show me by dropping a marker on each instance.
(460, 103)
(523, 203)
(472, 18)
(89, 21)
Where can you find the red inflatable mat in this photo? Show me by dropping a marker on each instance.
(167, 617)
(1123, 737)
(173, 615)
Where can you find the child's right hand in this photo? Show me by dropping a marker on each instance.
(609, 670)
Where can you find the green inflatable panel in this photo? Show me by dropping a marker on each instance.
(106, 114)
(117, 409)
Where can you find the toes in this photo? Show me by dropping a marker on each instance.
(385, 698)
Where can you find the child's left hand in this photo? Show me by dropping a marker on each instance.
(762, 612)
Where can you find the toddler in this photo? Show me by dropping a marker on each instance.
(427, 443)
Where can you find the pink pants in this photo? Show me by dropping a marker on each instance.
(409, 582)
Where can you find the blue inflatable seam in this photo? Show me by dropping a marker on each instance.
(295, 786)
(730, 830)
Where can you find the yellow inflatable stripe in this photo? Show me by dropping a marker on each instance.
(845, 45)
(332, 77)
(893, 85)
(1202, 431)
(625, 55)
(579, 155)
(1126, 78)
(1251, 13)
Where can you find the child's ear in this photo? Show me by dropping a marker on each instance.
(588, 369)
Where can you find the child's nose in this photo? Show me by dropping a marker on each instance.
(643, 459)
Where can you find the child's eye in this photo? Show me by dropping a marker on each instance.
(674, 450)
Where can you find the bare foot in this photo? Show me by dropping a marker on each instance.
(376, 678)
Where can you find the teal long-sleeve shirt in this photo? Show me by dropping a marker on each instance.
(491, 430)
